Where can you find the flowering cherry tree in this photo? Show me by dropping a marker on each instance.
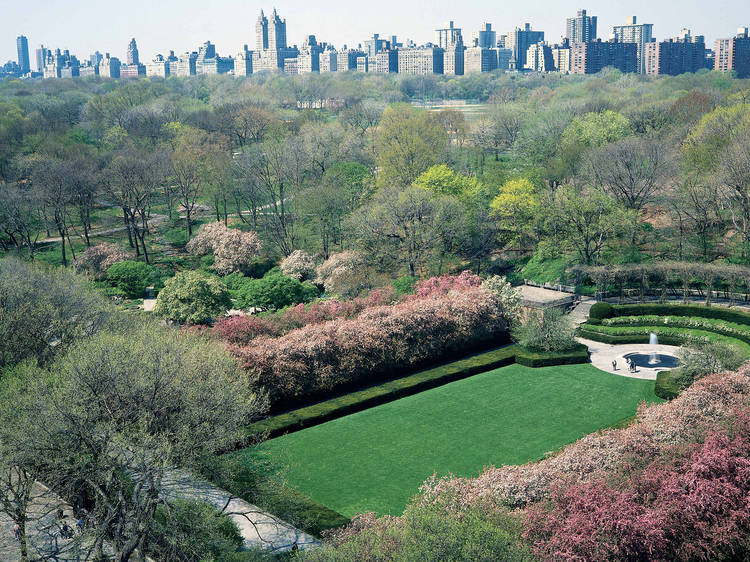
(233, 249)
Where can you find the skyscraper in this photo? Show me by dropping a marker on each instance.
(519, 41)
(734, 54)
(448, 36)
(41, 58)
(22, 44)
(261, 32)
(640, 34)
(485, 38)
(132, 56)
(277, 33)
(581, 29)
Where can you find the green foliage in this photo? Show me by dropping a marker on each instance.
(192, 531)
(177, 236)
(548, 330)
(600, 311)
(131, 277)
(192, 297)
(578, 354)
(409, 142)
(596, 129)
(704, 358)
(404, 285)
(274, 291)
(442, 180)
(43, 311)
(716, 312)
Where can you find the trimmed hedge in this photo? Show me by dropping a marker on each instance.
(600, 311)
(616, 335)
(580, 354)
(717, 312)
(376, 395)
(722, 327)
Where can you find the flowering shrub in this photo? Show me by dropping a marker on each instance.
(233, 249)
(380, 339)
(95, 261)
(345, 274)
(690, 504)
(445, 283)
(241, 330)
(298, 265)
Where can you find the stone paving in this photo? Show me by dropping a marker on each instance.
(602, 355)
(257, 527)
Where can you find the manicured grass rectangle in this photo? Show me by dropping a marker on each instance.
(376, 459)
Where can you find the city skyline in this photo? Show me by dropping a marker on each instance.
(183, 26)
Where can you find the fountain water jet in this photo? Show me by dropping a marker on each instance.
(653, 340)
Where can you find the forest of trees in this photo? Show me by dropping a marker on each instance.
(552, 172)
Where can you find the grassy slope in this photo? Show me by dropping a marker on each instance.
(375, 460)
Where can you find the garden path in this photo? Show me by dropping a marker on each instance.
(258, 528)
(602, 355)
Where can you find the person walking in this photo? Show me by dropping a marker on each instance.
(16, 532)
(614, 364)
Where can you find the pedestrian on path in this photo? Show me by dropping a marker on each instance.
(614, 364)
(16, 532)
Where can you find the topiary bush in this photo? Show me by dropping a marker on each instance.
(131, 277)
(599, 312)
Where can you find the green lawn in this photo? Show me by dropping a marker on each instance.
(375, 460)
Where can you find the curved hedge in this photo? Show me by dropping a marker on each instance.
(657, 309)
(534, 359)
(616, 335)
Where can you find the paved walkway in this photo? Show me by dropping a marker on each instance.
(257, 527)
(602, 355)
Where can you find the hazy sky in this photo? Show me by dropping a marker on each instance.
(84, 26)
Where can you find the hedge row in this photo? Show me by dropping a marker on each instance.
(722, 327)
(616, 335)
(657, 309)
(580, 354)
(376, 395)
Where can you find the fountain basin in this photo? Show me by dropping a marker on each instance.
(654, 360)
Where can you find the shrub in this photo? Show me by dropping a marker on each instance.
(241, 330)
(380, 339)
(193, 297)
(509, 296)
(233, 249)
(298, 265)
(132, 277)
(404, 285)
(95, 261)
(578, 354)
(699, 359)
(193, 531)
(346, 274)
(177, 237)
(548, 330)
(716, 312)
(600, 311)
(274, 291)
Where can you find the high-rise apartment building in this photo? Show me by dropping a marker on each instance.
(272, 49)
(375, 45)
(132, 55)
(261, 32)
(734, 54)
(561, 57)
(519, 40)
(22, 46)
(41, 56)
(678, 55)
(385, 62)
(539, 58)
(479, 59)
(448, 36)
(158, 67)
(485, 37)
(581, 29)
(243, 62)
(421, 60)
(592, 57)
(639, 33)
(276, 33)
(454, 58)
(329, 61)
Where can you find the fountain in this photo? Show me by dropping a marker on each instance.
(653, 360)
(653, 340)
